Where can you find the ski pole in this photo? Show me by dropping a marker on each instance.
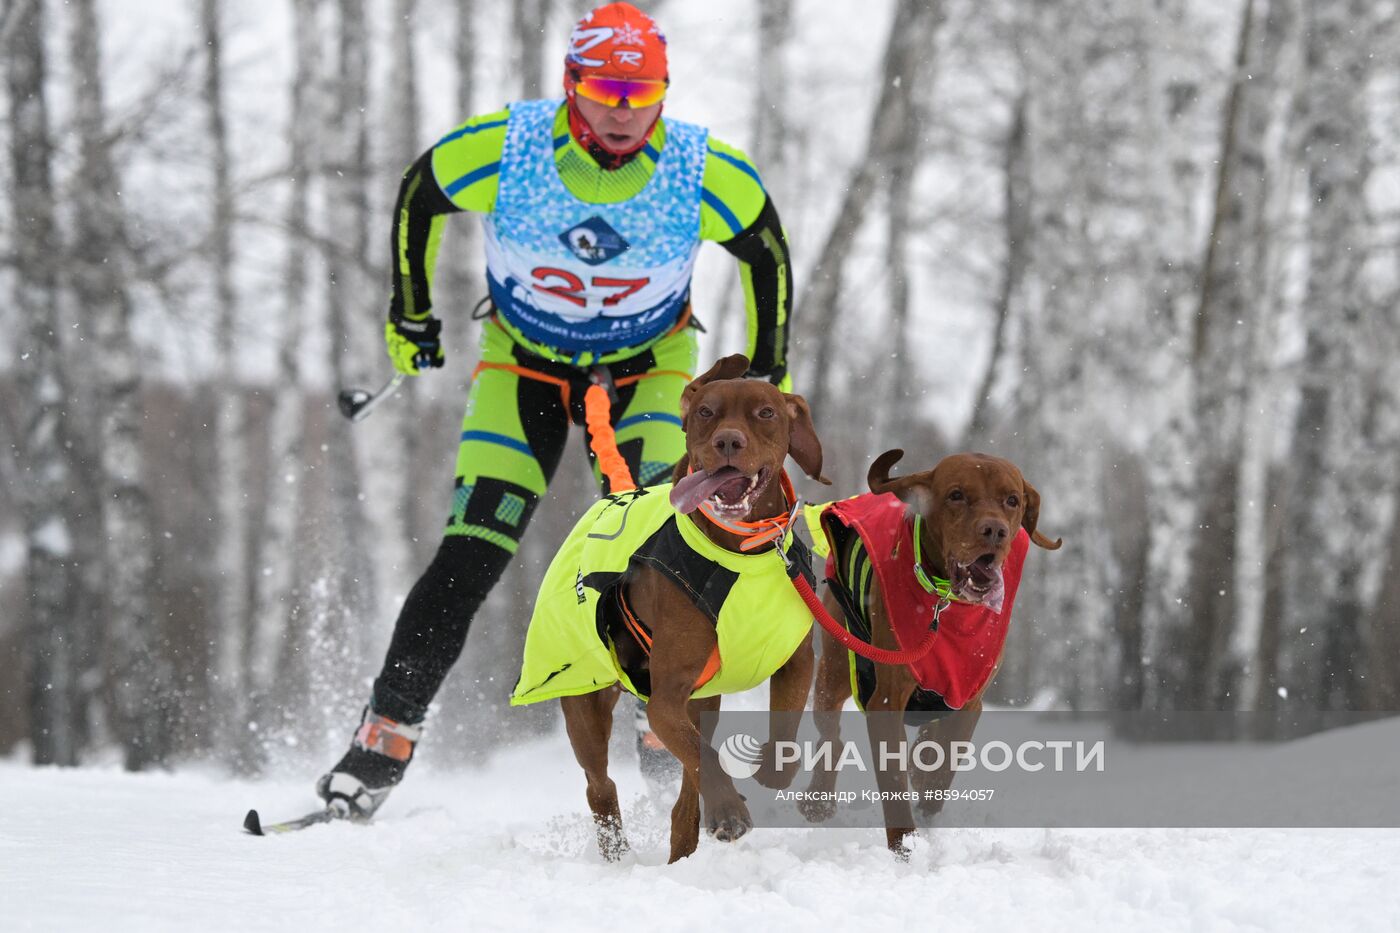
(356, 404)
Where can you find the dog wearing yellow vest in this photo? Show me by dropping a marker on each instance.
(677, 595)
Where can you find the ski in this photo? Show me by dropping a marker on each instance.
(254, 825)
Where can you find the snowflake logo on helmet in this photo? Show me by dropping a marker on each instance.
(627, 34)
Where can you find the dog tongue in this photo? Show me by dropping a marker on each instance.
(996, 595)
(695, 488)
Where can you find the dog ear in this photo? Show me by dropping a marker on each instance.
(804, 447)
(1031, 518)
(878, 476)
(730, 367)
(910, 489)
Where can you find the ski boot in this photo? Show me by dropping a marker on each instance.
(660, 769)
(360, 782)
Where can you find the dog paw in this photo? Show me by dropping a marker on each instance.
(900, 843)
(816, 810)
(612, 843)
(729, 821)
(614, 848)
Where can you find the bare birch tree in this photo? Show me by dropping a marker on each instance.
(229, 477)
(1016, 223)
(140, 672)
(53, 638)
(458, 275)
(1188, 639)
(275, 597)
(912, 32)
(772, 119)
(1057, 373)
(1333, 473)
(913, 95)
(768, 150)
(405, 143)
(464, 47)
(529, 20)
(349, 581)
(1173, 94)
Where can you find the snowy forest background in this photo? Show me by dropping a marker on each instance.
(1148, 249)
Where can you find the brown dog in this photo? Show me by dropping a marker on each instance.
(674, 618)
(967, 512)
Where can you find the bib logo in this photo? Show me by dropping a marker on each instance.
(593, 241)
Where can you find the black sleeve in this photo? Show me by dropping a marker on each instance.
(762, 251)
(420, 203)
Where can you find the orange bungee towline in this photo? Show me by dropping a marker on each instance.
(597, 412)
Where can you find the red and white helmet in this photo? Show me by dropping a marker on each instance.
(616, 54)
(617, 41)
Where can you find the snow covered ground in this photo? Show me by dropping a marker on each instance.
(509, 846)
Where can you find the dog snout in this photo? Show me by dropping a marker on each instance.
(993, 531)
(729, 441)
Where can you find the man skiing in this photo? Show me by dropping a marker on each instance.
(593, 208)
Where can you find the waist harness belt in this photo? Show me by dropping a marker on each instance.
(597, 407)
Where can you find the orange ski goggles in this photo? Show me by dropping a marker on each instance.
(614, 92)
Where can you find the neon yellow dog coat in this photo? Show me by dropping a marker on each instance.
(759, 618)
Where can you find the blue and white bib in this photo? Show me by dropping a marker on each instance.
(580, 276)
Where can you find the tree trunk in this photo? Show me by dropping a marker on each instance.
(902, 170)
(140, 671)
(275, 596)
(1385, 674)
(1256, 541)
(349, 582)
(405, 145)
(771, 131)
(1069, 353)
(1334, 477)
(229, 478)
(1016, 222)
(458, 261)
(1190, 638)
(728, 324)
(529, 20)
(1171, 97)
(53, 640)
(464, 47)
(912, 33)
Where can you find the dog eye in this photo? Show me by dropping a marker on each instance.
(767, 412)
(705, 411)
(1013, 501)
(956, 496)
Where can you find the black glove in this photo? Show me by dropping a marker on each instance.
(414, 345)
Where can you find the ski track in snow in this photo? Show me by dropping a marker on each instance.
(509, 846)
